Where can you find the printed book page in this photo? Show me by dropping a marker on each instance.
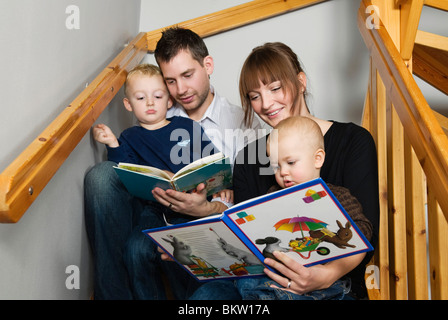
(198, 164)
(208, 250)
(147, 170)
(296, 223)
(152, 171)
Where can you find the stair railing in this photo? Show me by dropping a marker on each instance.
(411, 261)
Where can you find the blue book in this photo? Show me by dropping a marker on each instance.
(300, 221)
(214, 171)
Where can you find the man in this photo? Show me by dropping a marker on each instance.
(186, 66)
(127, 265)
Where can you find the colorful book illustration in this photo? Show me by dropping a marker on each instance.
(298, 221)
(214, 171)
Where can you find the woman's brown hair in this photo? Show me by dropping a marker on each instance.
(273, 61)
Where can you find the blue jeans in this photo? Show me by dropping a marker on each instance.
(258, 288)
(126, 262)
(217, 290)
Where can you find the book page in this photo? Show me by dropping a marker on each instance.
(198, 164)
(208, 250)
(301, 222)
(150, 171)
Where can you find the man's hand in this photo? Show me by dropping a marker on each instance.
(193, 204)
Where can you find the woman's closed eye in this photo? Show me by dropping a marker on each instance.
(254, 97)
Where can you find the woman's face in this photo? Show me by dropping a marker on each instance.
(273, 102)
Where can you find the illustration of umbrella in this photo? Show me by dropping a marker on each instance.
(299, 224)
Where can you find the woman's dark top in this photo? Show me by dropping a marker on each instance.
(350, 161)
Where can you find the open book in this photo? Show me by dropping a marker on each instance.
(214, 171)
(298, 221)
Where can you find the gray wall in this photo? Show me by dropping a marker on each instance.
(45, 65)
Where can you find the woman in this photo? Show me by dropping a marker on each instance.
(273, 85)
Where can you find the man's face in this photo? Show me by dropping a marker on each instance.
(189, 83)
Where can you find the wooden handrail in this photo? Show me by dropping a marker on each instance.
(235, 17)
(443, 121)
(410, 259)
(437, 4)
(431, 40)
(420, 124)
(430, 64)
(23, 180)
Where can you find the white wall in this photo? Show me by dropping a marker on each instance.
(44, 67)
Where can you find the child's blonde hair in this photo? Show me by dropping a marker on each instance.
(301, 127)
(146, 69)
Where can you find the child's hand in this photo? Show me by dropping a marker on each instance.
(225, 195)
(104, 134)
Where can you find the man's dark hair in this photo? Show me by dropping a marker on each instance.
(176, 39)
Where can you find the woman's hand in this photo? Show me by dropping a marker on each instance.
(299, 279)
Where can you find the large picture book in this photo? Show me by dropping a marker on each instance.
(300, 221)
(213, 170)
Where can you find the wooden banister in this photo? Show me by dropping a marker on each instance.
(234, 17)
(431, 65)
(422, 127)
(23, 180)
(412, 161)
(437, 4)
(443, 121)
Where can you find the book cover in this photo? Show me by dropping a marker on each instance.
(299, 221)
(214, 171)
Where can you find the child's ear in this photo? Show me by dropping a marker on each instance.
(319, 158)
(127, 104)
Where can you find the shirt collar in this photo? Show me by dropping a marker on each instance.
(212, 112)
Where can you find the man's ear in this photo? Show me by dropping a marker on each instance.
(170, 102)
(209, 65)
(319, 158)
(127, 104)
